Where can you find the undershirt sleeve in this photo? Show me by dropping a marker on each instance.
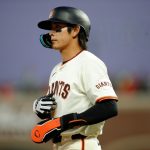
(99, 112)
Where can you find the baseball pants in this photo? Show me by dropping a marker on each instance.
(88, 143)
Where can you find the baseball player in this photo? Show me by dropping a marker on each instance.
(80, 97)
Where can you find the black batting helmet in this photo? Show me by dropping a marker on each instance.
(69, 15)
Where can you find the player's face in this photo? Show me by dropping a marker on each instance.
(60, 36)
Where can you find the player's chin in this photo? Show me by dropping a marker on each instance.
(56, 49)
(55, 46)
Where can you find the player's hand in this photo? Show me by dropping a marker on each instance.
(48, 129)
(44, 105)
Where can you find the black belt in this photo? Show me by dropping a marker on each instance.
(73, 137)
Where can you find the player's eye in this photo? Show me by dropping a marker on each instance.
(58, 28)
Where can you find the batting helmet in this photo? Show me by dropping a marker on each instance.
(69, 15)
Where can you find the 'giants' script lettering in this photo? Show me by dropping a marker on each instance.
(60, 88)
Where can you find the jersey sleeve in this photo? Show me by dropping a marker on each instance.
(96, 81)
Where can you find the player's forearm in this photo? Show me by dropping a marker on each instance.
(99, 112)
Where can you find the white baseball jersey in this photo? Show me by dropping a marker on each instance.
(77, 85)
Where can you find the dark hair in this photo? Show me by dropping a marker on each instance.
(81, 37)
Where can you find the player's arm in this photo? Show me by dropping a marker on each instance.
(48, 129)
(99, 112)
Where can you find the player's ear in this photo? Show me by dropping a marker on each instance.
(75, 31)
